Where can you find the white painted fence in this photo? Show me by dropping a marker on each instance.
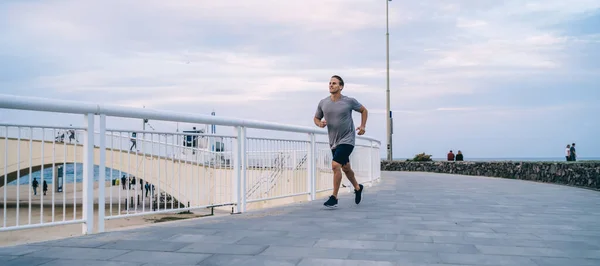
(171, 176)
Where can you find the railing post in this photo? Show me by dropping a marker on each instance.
(239, 154)
(371, 163)
(243, 167)
(102, 173)
(235, 157)
(311, 179)
(88, 175)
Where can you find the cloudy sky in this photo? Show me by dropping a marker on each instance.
(492, 78)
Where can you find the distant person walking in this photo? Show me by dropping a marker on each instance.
(335, 113)
(123, 182)
(34, 185)
(450, 156)
(133, 141)
(45, 187)
(568, 152)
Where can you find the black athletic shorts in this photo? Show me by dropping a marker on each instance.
(341, 153)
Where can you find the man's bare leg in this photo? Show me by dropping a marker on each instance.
(350, 175)
(337, 177)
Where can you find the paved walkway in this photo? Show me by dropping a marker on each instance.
(407, 219)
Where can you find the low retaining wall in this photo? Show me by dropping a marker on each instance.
(579, 174)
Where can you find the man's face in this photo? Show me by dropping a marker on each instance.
(334, 86)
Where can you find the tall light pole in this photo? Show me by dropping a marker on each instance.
(388, 113)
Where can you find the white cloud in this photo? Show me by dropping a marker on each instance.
(323, 15)
(103, 66)
(466, 23)
(277, 56)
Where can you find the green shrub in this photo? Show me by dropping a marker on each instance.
(422, 157)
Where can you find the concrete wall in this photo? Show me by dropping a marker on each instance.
(579, 174)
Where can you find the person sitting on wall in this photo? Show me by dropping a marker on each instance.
(459, 156)
(450, 156)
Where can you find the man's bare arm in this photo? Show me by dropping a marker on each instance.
(364, 113)
(319, 122)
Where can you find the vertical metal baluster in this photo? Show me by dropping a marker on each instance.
(180, 154)
(153, 186)
(42, 143)
(139, 179)
(101, 174)
(173, 174)
(18, 172)
(120, 140)
(31, 172)
(112, 170)
(5, 172)
(53, 170)
(166, 171)
(64, 176)
(75, 178)
(129, 175)
(143, 172)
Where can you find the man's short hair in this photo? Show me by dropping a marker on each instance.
(340, 79)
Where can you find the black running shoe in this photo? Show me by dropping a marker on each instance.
(358, 194)
(331, 202)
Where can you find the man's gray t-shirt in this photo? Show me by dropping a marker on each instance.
(338, 115)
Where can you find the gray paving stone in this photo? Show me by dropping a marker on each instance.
(576, 245)
(565, 261)
(340, 262)
(411, 238)
(68, 262)
(380, 237)
(521, 251)
(355, 244)
(235, 260)
(436, 247)
(77, 253)
(408, 219)
(334, 253)
(587, 254)
(20, 250)
(144, 245)
(7, 258)
(189, 238)
(486, 259)
(77, 242)
(400, 257)
(245, 233)
(162, 264)
(279, 241)
(212, 248)
(159, 257)
(20, 261)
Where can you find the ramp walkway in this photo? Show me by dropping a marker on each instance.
(407, 219)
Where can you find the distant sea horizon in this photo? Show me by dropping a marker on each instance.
(514, 159)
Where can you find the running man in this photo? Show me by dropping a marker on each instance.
(337, 111)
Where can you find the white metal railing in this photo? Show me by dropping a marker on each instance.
(173, 171)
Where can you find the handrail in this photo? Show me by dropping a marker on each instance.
(77, 107)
